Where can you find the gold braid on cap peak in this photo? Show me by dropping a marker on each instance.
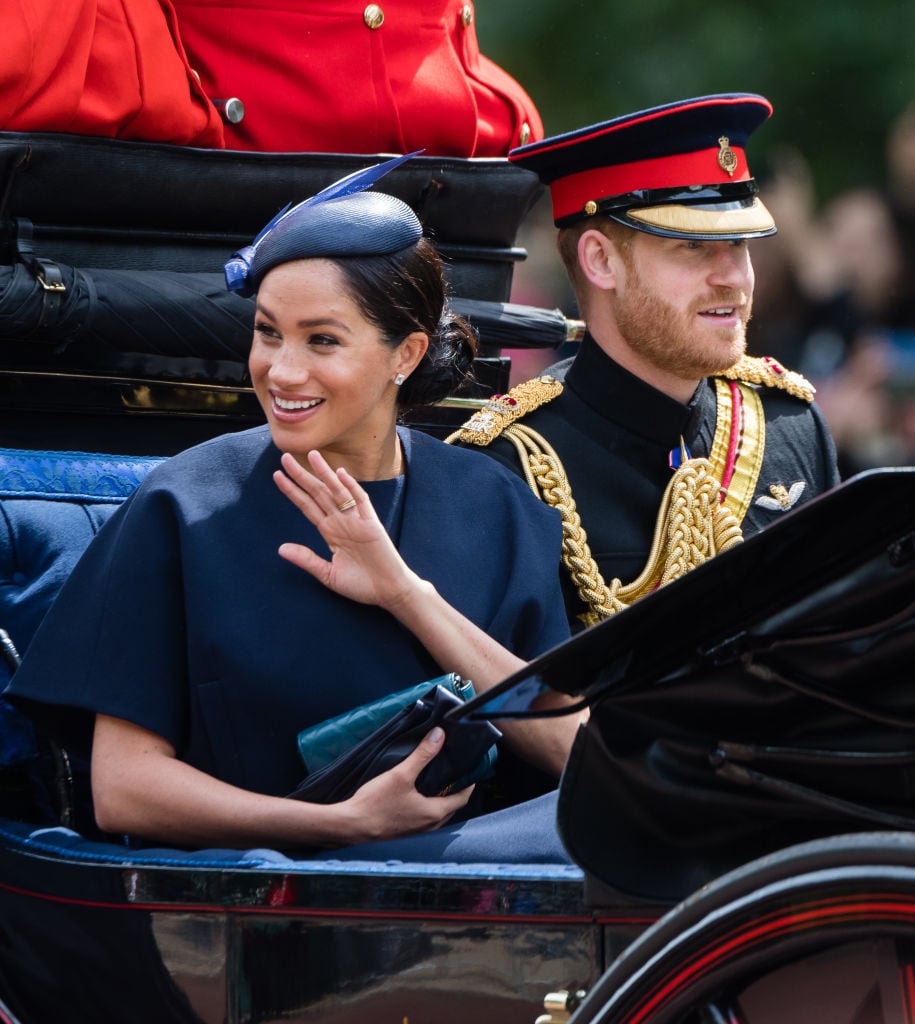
(501, 411)
(769, 372)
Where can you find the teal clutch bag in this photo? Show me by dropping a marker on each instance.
(323, 743)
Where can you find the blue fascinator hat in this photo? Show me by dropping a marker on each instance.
(341, 220)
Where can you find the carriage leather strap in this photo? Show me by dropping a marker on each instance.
(45, 271)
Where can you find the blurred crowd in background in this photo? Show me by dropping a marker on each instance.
(835, 296)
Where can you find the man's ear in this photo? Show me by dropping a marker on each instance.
(599, 259)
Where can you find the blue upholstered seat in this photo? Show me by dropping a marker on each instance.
(51, 506)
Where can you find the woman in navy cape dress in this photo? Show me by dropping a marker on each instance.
(192, 653)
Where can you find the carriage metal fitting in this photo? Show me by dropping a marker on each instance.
(575, 330)
(560, 1006)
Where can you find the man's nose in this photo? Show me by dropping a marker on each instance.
(731, 267)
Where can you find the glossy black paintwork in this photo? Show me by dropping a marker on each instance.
(96, 942)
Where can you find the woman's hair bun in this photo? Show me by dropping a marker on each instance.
(447, 364)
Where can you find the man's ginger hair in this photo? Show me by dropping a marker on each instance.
(567, 244)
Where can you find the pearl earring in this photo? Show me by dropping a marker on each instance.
(400, 378)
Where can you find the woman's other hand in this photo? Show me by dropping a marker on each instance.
(367, 567)
(390, 805)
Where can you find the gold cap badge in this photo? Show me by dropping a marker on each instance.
(727, 158)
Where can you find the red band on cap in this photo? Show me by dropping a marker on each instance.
(701, 168)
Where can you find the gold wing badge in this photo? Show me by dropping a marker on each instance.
(782, 498)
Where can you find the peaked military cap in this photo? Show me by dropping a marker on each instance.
(678, 170)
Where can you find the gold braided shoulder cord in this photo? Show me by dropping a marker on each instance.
(692, 526)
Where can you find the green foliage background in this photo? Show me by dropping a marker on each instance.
(837, 71)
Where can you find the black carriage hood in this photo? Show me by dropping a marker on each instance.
(788, 570)
(763, 700)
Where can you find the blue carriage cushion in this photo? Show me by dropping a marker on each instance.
(51, 506)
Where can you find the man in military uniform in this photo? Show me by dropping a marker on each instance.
(661, 442)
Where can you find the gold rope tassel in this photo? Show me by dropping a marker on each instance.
(692, 526)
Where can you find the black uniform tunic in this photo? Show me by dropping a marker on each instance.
(614, 434)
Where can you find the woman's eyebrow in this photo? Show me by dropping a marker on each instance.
(322, 321)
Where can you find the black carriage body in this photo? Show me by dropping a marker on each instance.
(87, 936)
(98, 932)
(762, 700)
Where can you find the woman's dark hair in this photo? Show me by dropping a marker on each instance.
(402, 292)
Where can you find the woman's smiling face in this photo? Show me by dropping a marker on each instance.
(321, 371)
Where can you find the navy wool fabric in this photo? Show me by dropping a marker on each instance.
(182, 618)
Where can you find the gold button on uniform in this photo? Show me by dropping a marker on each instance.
(525, 134)
(467, 15)
(373, 16)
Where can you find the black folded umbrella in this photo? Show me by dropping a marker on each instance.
(176, 314)
(159, 312)
(511, 325)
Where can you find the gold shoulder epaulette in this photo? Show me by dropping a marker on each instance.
(485, 425)
(769, 372)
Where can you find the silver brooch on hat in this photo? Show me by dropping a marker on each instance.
(727, 158)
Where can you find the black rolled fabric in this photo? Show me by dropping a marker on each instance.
(175, 314)
(24, 307)
(513, 325)
(158, 312)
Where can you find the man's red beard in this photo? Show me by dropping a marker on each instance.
(674, 341)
